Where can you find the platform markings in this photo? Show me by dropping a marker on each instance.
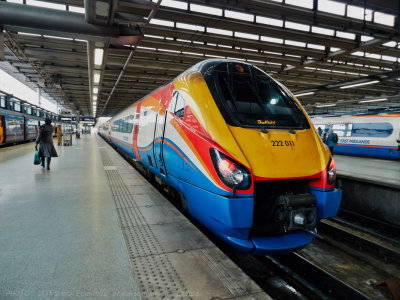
(156, 276)
(138, 206)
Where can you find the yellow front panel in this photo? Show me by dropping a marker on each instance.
(280, 154)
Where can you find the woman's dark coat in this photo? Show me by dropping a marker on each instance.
(45, 138)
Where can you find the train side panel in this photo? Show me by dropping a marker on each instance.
(14, 129)
(121, 131)
(369, 136)
(31, 128)
(2, 130)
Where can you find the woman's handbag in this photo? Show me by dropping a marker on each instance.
(36, 158)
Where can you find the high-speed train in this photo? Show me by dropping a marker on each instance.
(365, 135)
(240, 151)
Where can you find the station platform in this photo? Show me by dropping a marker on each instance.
(371, 187)
(369, 170)
(92, 227)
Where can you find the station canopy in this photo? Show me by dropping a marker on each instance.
(98, 57)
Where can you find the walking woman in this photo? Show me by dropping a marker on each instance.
(45, 139)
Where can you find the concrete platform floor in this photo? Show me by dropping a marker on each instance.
(376, 171)
(59, 230)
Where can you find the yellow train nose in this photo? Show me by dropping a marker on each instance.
(279, 154)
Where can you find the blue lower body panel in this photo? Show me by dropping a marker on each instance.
(232, 219)
(128, 149)
(328, 202)
(281, 244)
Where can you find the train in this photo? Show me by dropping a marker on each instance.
(376, 135)
(239, 151)
(18, 127)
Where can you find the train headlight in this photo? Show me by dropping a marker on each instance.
(331, 172)
(230, 172)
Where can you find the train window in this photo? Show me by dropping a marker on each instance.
(130, 123)
(382, 129)
(339, 129)
(179, 110)
(248, 97)
(17, 106)
(348, 129)
(125, 124)
(2, 101)
(115, 125)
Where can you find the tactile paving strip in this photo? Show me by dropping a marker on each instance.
(170, 259)
(154, 272)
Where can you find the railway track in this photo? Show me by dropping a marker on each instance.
(356, 255)
(345, 261)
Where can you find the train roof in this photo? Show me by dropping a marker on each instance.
(395, 112)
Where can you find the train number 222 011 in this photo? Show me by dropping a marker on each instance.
(279, 143)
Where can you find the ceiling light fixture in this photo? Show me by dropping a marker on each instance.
(326, 105)
(95, 90)
(304, 94)
(373, 100)
(96, 78)
(98, 56)
(359, 84)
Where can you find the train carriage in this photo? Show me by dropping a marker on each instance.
(12, 127)
(17, 127)
(241, 152)
(365, 135)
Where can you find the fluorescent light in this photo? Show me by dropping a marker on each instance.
(96, 78)
(359, 84)
(94, 98)
(304, 94)
(373, 100)
(95, 90)
(98, 56)
(326, 105)
(102, 8)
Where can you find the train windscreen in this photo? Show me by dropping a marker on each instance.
(247, 97)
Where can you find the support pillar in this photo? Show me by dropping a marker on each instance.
(40, 96)
(2, 56)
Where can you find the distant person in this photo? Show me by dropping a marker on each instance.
(324, 137)
(45, 139)
(332, 140)
(319, 131)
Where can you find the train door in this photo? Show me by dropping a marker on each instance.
(159, 135)
(2, 130)
(136, 131)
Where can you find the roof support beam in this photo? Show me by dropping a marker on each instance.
(28, 17)
(90, 11)
(1, 44)
(337, 54)
(151, 15)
